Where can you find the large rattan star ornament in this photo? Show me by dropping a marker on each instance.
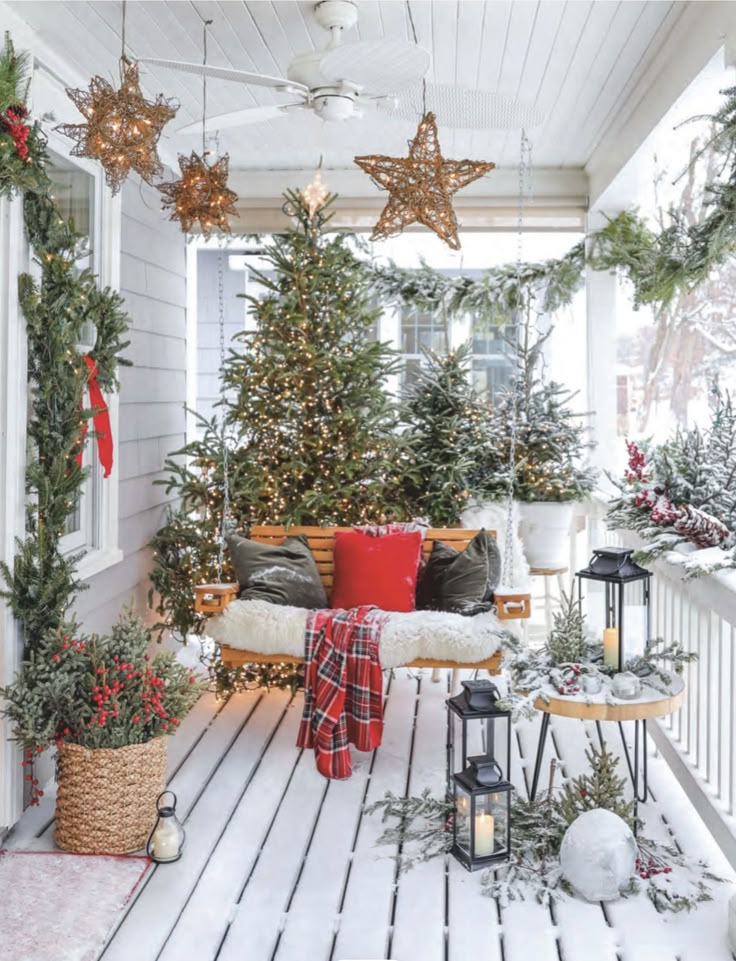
(201, 195)
(122, 128)
(421, 185)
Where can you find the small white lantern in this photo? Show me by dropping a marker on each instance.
(166, 841)
(87, 337)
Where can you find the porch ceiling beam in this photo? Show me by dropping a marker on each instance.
(695, 38)
(550, 186)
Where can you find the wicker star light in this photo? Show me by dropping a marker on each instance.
(122, 128)
(200, 195)
(421, 185)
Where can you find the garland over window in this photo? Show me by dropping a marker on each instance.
(42, 582)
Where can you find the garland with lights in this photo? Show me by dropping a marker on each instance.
(42, 582)
(22, 143)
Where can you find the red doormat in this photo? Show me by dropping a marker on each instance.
(62, 907)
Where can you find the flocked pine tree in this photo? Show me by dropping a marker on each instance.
(310, 428)
(448, 435)
(567, 642)
(551, 442)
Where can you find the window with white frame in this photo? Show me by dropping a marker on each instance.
(80, 195)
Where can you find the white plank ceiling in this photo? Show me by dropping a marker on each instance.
(577, 60)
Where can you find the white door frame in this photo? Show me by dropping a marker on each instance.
(14, 260)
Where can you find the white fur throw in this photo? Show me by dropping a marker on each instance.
(277, 629)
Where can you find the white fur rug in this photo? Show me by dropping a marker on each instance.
(435, 635)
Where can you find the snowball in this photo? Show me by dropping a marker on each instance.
(598, 855)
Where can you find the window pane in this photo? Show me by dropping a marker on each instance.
(74, 190)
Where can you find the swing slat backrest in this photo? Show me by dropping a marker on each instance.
(322, 542)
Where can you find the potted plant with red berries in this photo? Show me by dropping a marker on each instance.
(106, 705)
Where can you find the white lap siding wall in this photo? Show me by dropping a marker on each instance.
(152, 419)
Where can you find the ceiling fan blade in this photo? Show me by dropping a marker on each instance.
(240, 118)
(227, 73)
(463, 108)
(380, 67)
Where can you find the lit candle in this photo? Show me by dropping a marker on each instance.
(484, 835)
(610, 647)
(165, 840)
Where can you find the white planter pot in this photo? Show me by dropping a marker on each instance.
(545, 532)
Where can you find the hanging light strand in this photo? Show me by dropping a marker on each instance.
(225, 523)
(205, 25)
(524, 187)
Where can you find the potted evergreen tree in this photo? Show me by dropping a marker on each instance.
(551, 472)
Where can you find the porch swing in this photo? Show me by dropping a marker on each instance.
(511, 604)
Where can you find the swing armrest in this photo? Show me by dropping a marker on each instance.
(214, 598)
(513, 606)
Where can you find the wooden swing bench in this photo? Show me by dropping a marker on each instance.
(212, 599)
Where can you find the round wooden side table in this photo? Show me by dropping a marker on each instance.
(604, 707)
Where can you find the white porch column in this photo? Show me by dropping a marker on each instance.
(13, 402)
(601, 291)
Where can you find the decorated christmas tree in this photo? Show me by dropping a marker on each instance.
(448, 435)
(551, 441)
(310, 431)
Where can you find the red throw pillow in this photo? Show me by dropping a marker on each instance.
(376, 570)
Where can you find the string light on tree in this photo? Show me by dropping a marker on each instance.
(315, 193)
(121, 128)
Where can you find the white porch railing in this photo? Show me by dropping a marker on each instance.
(699, 741)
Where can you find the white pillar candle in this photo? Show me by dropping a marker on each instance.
(610, 647)
(165, 840)
(484, 844)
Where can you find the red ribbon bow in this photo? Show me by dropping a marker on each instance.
(100, 419)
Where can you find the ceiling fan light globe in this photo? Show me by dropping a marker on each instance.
(334, 107)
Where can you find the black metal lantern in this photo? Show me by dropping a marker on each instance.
(476, 725)
(166, 840)
(615, 590)
(482, 822)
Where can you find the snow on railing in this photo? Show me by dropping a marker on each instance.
(699, 741)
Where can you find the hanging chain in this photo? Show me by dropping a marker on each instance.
(123, 31)
(524, 184)
(205, 24)
(416, 41)
(223, 440)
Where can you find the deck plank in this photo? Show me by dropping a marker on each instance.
(206, 915)
(210, 786)
(364, 925)
(258, 917)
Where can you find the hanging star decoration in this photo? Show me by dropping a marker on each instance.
(122, 128)
(200, 195)
(421, 185)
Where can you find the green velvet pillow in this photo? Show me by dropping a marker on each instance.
(280, 573)
(461, 581)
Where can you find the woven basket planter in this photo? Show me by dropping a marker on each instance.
(106, 800)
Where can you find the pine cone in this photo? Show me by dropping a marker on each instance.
(700, 528)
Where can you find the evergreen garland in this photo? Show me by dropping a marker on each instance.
(42, 583)
(22, 144)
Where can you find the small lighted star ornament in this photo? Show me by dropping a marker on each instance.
(122, 128)
(421, 185)
(315, 194)
(200, 195)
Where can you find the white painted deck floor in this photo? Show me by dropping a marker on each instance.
(280, 865)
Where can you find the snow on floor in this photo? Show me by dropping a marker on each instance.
(281, 865)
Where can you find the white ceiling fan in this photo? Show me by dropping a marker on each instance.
(339, 81)
(334, 83)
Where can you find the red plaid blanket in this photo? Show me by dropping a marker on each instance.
(343, 698)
